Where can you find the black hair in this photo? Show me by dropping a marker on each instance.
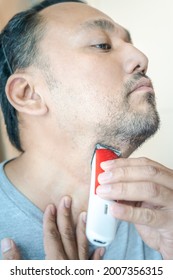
(18, 50)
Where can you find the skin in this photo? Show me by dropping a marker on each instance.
(144, 192)
(102, 95)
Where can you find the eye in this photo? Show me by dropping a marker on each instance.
(103, 46)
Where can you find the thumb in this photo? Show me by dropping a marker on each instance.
(9, 250)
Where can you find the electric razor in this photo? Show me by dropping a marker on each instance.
(101, 225)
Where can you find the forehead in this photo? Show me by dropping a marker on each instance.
(77, 17)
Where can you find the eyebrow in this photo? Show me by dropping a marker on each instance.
(99, 23)
(104, 25)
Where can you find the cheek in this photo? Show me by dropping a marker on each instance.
(99, 71)
(89, 88)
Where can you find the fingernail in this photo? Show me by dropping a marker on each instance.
(105, 176)
(107, 163)
(102, 251)
(104, 189)
(67, 202)
(6, 245)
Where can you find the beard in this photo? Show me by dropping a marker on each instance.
(121, 124)
(130, 127)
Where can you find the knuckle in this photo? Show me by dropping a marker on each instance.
(151, 170)
(153, 190)
(122, 189)
(68, 234)
(148, 216)
(131, 213)
(120, 161)
(52, 233)
(144, 160)
(123, 172)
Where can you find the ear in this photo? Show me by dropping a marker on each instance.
(22, 96)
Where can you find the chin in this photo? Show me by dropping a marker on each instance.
(144, 131)
(128, 129)
(133, 133)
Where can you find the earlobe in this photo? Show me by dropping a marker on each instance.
(22, 96)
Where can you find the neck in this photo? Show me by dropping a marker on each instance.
(51, 174)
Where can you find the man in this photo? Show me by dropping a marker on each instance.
(73, 79)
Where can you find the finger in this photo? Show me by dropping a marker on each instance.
(52, 241)
(123, 162)
(147, 173)
(142, 215)
(137, 191)
(98, 254)
(82, 241)
(66, 228)
(9, 250)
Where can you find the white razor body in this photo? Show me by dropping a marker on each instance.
(101, 225)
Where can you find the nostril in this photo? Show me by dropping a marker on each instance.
(144, 71)
(138, 67)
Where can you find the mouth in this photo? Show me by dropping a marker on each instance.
(142, 86)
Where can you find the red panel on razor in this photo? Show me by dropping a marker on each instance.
(102, 155)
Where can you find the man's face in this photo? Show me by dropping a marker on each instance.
(98, 90)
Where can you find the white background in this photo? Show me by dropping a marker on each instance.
(135, 270)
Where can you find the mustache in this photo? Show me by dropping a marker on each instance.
(134, 80)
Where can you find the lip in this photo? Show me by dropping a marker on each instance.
(143, 85)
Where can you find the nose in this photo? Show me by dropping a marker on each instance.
(134, 60)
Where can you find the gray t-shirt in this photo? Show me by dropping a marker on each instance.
(22, 221)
